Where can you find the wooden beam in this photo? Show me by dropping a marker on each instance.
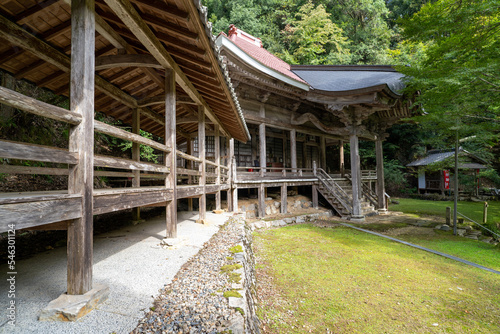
(132, 19)
(130, 136)
(14, 150)
(81, 142)
(166, 9)
(126, 60)
(120, 163)
(31, 105)
(30, 214)
(171, 158)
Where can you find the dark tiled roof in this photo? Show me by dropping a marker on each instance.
(438, 156)
(347, 78)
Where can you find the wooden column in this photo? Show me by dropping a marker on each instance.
(201, 149)
(284, 198)
(262, 201)
(293, 150)
(136, 155)
(341, 158)
(235, 187)
(304, 154)
(254, 147)
(262, 148)
(322, 147)
(284, 138)
(262, 142)
(355, 171)
(230, 206)
(380, 175)
(171, 158)
(81, 141)
(189, 149)
(314, 188)
(217, 161)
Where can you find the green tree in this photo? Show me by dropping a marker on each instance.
(458, 77)
(365, 24)
(313, 38)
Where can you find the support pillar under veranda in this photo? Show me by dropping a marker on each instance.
(80, 288)
(170, 157)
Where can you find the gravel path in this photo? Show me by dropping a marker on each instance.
(129, 260)
(193, 302)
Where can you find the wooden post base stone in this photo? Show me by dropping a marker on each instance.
(73, 307)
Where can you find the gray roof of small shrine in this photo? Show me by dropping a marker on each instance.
(437, 156)
(338, 78)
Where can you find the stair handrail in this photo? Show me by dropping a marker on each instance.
(335, 189)
(370, 195)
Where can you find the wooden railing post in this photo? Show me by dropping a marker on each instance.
(171, 158)
(136, 155)
(81, 141)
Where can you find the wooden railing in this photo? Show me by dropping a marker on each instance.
(334, 189)
(253, 173)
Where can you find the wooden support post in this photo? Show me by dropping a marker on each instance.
(254, 147)
(232, 175)
(189, 165)
(235, 188)
(136, 156)
(341, 158)
(322, 147)
(305, 163)
(293, 150)
(355, 171)
(314, 187)
(284, 149)
(380, 176)
(201, 149)
(217, 161)
(171, 158)
(485, 213)
(262, 149)
(262, 201)
(81, 141)
(284, 199)
(448, 215)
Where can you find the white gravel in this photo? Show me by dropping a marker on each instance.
(129, 261)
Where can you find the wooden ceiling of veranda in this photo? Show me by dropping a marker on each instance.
(135, 41)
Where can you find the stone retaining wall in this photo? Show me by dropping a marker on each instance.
(247, 286)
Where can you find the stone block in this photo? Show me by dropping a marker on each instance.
(289, 220)
(445, 227)
(73, 307)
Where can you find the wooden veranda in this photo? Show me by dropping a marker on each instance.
(151, 64)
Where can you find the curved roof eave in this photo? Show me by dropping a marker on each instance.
(223, 41)
(383, 87)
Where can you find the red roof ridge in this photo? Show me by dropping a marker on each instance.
(252, 46)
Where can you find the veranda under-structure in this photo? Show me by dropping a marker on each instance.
(155, 66)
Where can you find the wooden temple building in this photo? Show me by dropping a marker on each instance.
(156, 66)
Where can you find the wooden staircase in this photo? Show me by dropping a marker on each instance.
(338, 193)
